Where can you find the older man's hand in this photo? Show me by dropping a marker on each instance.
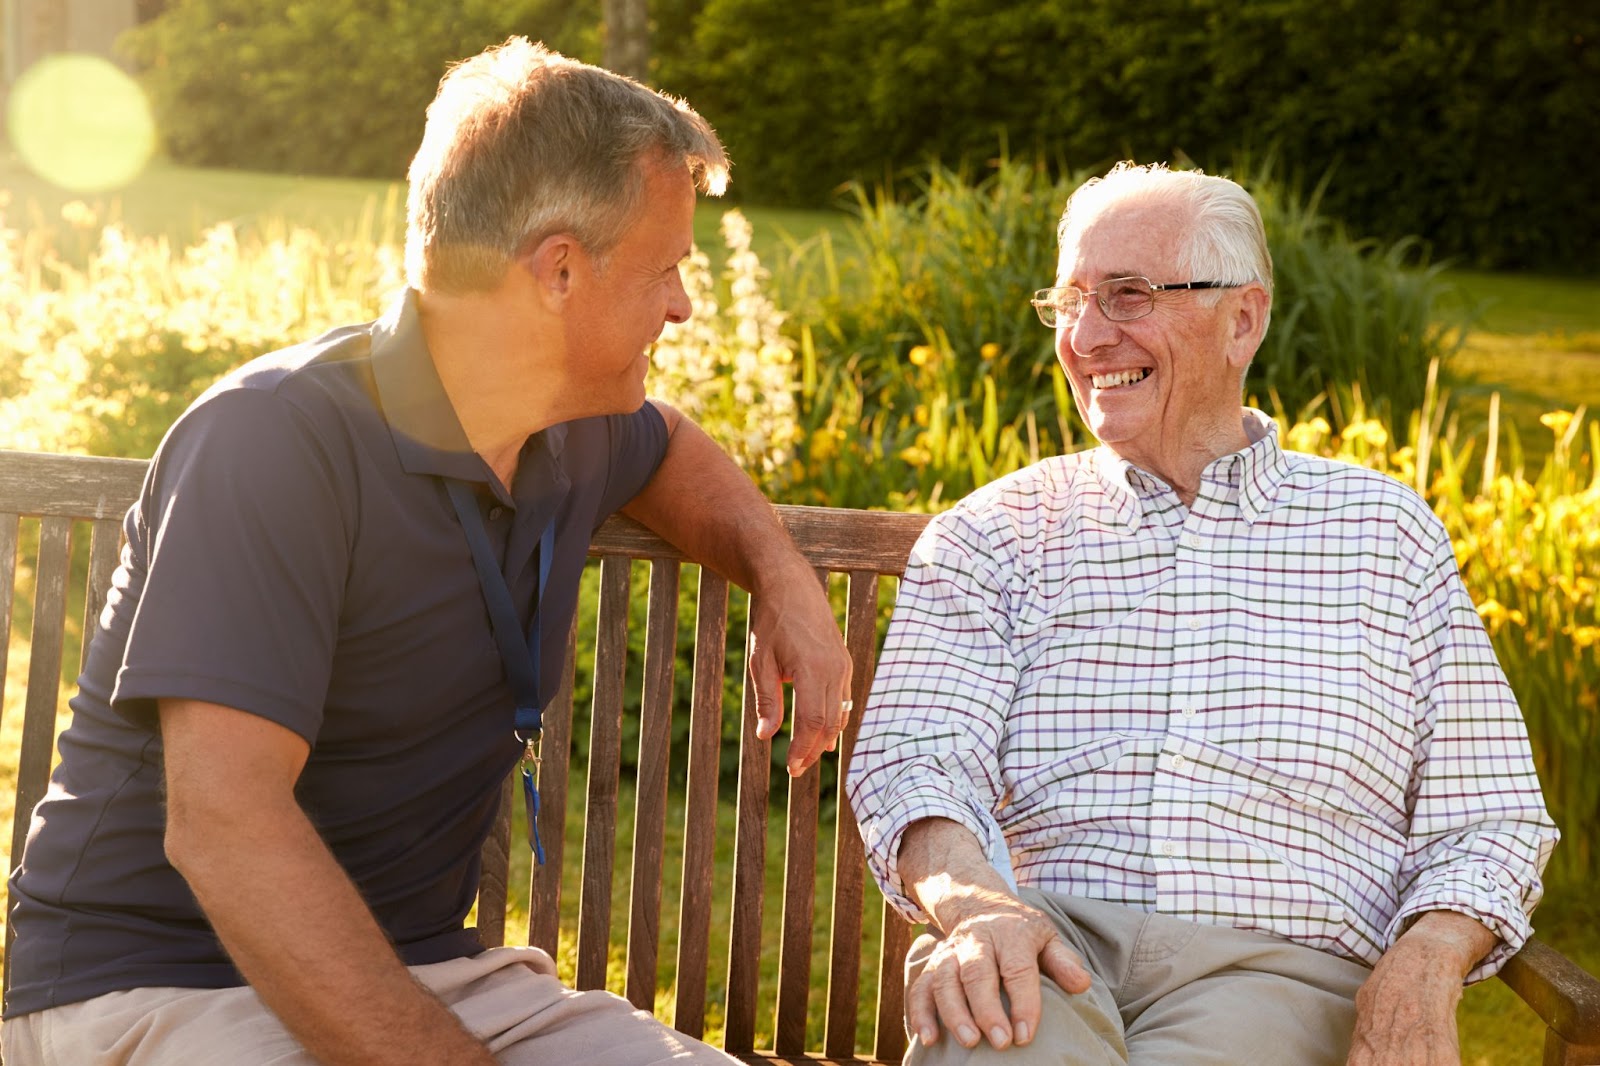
(794, 638)
(1406, 1011)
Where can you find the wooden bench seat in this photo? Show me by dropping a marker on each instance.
(866, 548)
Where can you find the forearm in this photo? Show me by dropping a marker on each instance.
(943, 868)
(298, 931)
(1451, 941)
(702, 503)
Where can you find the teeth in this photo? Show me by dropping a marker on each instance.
(1123, 377)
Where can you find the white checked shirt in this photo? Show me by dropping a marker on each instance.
(1276, 709)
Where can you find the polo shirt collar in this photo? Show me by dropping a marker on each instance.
(427, 434)
(1257, 472)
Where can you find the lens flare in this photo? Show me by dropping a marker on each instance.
(81, 123)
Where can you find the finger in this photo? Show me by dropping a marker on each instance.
(922, 1017)
(980, 979)
(1064, 967)
(769, 692)
(816, 721)
(950, 997)
(1020, 976)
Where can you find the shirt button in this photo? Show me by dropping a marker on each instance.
(1188, 712)
(1191, 540)
(496, 513)
(1178, 762)
(1193, 622)
(1168, 848)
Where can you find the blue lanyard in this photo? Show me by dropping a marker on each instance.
(521, 659)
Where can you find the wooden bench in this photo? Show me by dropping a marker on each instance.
(866, 547)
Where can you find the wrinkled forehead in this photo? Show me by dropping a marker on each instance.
(1124, 238)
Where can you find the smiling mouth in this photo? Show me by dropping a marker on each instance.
(1120, 378)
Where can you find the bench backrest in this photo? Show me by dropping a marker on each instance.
(65, 493)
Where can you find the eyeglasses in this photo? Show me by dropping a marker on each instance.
(1120, 299)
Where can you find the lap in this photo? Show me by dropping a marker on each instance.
(1168, 991)
(508, 997)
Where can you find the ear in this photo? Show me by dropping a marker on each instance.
(1247, 325)
(550, 264)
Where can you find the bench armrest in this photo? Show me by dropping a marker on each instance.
(1562, 993)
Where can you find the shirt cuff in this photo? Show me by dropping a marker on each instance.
(1485, 891)
(883, 835)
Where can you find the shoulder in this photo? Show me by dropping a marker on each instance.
(1011, 513)
(1363, 502)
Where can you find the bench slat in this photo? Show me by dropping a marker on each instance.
(650, 800)
(10, 525)
(105, 542)
(605, 767)
(700, 814)
(831, 538)
(494, 883)
(749, 867)
(889, 1042)
(44, 679)
(544, 889)
(849, 861)
(799, 906)
(69, 486)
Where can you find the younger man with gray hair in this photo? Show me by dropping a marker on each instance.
(1207, 733)
(298, 710)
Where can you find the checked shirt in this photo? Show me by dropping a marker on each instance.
(1276, 709)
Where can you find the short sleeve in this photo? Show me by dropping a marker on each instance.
(638, 444)
(244, 549)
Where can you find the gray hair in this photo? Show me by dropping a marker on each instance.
(1226, 242)
(522, 142)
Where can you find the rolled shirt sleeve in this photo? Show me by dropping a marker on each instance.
(1480, 836)
(931, 746)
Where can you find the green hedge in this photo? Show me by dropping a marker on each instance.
(1459, 122)
(322, 86)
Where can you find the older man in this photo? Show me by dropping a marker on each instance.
(1225, 714)
(322, 653)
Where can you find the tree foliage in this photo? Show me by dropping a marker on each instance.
(322, 86)
(1459, 122)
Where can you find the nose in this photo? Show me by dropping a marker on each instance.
(678, 306)
(1091, 332)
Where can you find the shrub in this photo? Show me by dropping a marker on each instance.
(1457, 122)
(325, 87)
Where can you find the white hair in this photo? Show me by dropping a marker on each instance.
(1226, 240)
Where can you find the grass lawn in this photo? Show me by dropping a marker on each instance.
(1537, 340)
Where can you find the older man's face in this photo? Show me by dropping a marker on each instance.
(1158, 387)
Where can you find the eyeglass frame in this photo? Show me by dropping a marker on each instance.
(1042, 305)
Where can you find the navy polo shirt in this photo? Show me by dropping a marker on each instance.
(293, 554)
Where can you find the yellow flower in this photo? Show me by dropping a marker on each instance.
(918, 457)
(1556, 421)
(1492, 611)
(1585, 636)
(920, 414)
(990, 351)
(921, 355)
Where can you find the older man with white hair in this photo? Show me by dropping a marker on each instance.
(1207, 733)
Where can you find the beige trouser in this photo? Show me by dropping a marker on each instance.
(520, 1011)
(1167, 991)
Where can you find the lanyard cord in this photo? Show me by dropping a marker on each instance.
(521, 659)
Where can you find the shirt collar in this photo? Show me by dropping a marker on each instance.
(427, 434)
(1256, 472)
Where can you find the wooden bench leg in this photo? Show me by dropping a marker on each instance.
(1557, 1052)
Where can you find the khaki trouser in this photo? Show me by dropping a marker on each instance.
(1168, 992)
(508, 997)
